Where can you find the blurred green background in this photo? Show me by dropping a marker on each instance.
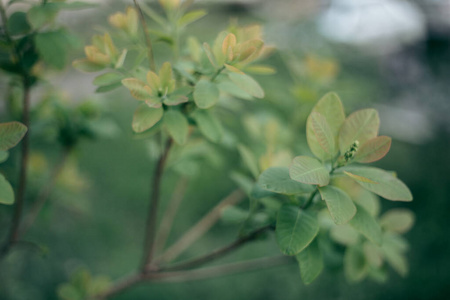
(391, 55)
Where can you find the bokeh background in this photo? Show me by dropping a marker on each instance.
(393, 55)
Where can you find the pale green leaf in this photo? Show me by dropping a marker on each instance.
(397, 220)
(247, 84)
(206, 94)
(3, 156)
(320, 137)
(191, 17)
(41, 15)
(330, 106)
(177, 126)
(6, 191)
(107, 79)
(138, 89)
(209, 125)
(394, 255)
(277, 179)
(355, 264)
(309, 170)
(344, 234)
(386, 185)
(295, 229)
(339, 204)
(367, 225)
(360, 126)
(249, 159)
(87, 66)
(310, 262)
(373, 150)
(145, 117)
(10, 134)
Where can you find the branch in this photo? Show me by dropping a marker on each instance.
(218, 253)
(201, 227)
(150, 233)
(44, 193)
(167, 220)
(150, 56)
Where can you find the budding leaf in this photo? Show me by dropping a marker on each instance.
(339, 204)
(277, 180)
(360, 126)
(10, 134)
(145, 117)
(310, 262)
(309, 170)
(295, 229)
(381, 183)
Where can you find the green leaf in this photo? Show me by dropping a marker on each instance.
(191, 17)
(108, 88)
(208, 125)
(344, 234)
(373, 254)
(86, 66)
(339, 204)
(177, 126)
(330, 106)
(373, 150)
(310, 262)
(277, 180)
(3, 156)
(234, 215)
(309, 170)
(247, 84)
(394, 256)
(52, 47)
(145, 117)
(178, 96)
(367, 225)
(18, 23)
(41, 15)
(249, 160)
(206, 94)
(320, 137)
(355, 264)
(10, 134)
(139, 90)
(107, 79)
(397, 220)
(229, 87)
(295, 229)
(6, 191)
(385, 184)
(361, 126)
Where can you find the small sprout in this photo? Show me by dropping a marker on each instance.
(351, 152)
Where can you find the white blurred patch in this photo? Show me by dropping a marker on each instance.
(378, 25)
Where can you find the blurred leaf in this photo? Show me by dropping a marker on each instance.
(41, 15)
(320, 137)
(108, 88)
(385, 184)
(6, 191)
(208, 125)
(10, 134)
(310, 262)
(247, 84)
(145, 117)
(366, 224)
(309, 170)
(86, 66)
(260, 70)
(339, 204)
(394, 256)
(397, 220)
(344, 234)
(107, 79)
(373, 150)
(373, 254)
(177, 126)
(295, 229)
(360, 126)
(52, 46)
(355, 264)
(249, 160)
(206, 94)
(18, 23)
(277, 179)
(233, 215)
(191, 17)
(178, 96)
(69, 292)
(229, 87)
(138, 89)
(3, 155)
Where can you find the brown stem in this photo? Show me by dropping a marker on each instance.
(151, 59)
(169, 216)
(44, 193)
(218, 253)
(14, 232)
(201, 227)
(150, 233)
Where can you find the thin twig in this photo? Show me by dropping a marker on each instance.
(201, 227)
(169, 216)
(149, 246)
(218, 253)
(44, 193)
(151, 58)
